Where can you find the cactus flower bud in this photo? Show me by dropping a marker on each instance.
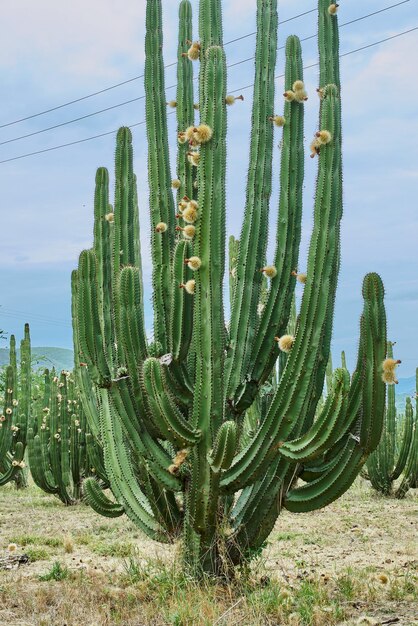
(333, 9)
(298, 85)
(110, 217)
(176, 184)
(278, 120)
(161, 227)
(285, 342)
(270, 271)
(193, 263)
(289, 96)
(189, 286)
(323, 136)
(230, 100)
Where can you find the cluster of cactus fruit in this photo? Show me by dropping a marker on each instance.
(15, 415)
(170, 412)
(397, 452)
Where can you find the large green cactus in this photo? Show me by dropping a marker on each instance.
(14, 419)
(170, 412)
(397, 452)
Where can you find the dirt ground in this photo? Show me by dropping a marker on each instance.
(364, 547)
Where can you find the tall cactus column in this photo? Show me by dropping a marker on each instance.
(170, 412)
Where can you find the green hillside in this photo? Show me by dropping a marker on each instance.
(60, 358)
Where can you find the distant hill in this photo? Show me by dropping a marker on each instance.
(60, 358)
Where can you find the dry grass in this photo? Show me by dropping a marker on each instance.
(356, 559)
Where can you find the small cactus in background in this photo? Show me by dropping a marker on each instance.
(397, 452)
(15, 415)
(57, 450)
(177, 458)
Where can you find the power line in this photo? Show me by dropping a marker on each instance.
(38, 317)
(120, 104)
(134, 78)
(111, 132)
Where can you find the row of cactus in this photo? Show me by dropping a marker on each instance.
(169, 412)
(60, 450)
(396, 455)
(15, 415)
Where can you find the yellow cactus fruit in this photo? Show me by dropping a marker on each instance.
(389, 365)
(161, 227)
(194, 158)
(278, 120)
(301, 278)
(230, 100)
(314, 147)
(172, 104)
(203, 133)
(194, 51)
(189, 231)
(189, 214)
(196, 106)
(324, 137)
(333, 9)
(301, 96)
(389, 378)
(285, 342)
(110, 217)
(190, 132)
(175, 183)
(289, 96)
(189, 286)
(192, 204)
(298, 85)
(181, 137)
(320, 93)
(270, 271)
(178, 461)
(194, 263)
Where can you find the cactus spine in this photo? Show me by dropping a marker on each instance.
(171, 411)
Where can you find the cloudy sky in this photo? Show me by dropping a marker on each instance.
(54, 52)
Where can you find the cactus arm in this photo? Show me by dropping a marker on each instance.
(102, 249)
(181, 318)
(253, 238)
(131, 328)
(406, 441)
(98, 501)
(290, 401)
(164, 410)
(330, 485)
(208, 407)
(274, 318)
(327, 428)
(374, 351)
(328, 45)
(89, 329)
(184, 99)
(220, 458)
(161, 198)
(122, 477)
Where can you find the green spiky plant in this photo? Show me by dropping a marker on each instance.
(170, 411)
(57, 450)
(397, 452)
(14, 419)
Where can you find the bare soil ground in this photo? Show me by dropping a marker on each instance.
(354, 562)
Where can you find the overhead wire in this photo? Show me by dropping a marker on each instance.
(111, 132)
(116, 85)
